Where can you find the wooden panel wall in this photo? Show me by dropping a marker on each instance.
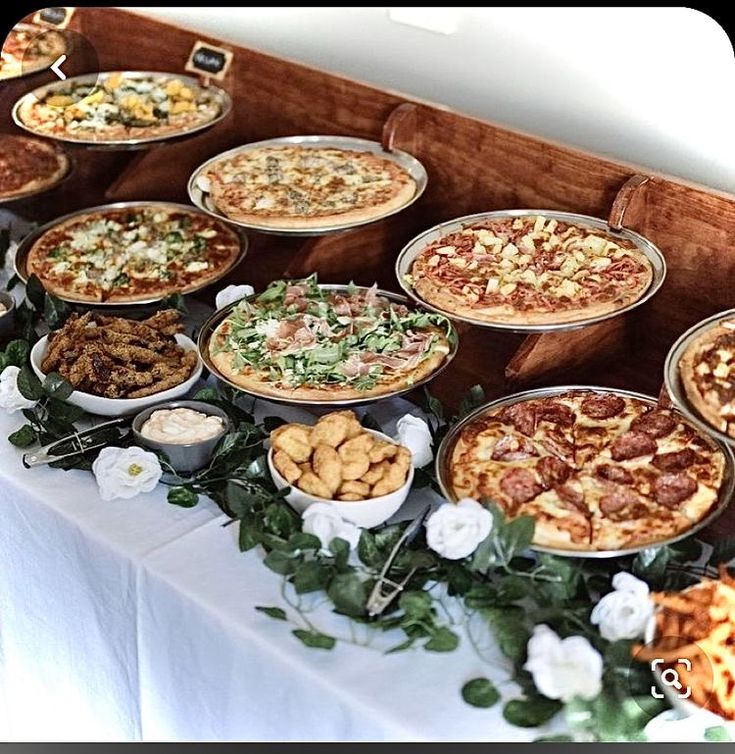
(473, 165)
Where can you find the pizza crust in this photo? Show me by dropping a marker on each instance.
(36, 185)
(707, 405)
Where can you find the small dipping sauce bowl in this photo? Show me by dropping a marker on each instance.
(183, 457)
(7, 314)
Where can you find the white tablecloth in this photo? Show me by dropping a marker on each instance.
(135, 619)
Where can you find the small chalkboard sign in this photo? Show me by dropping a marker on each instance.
(57, 17)
(208, 60)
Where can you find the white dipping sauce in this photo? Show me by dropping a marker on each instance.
(181, 426)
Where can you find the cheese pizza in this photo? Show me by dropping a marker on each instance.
(132, 253)
(300, 187)
(301, 341)
(596, 470)
(529, 270)
(28, 166)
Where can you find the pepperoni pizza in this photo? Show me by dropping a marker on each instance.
(596, 470)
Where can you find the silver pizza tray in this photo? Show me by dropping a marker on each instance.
(207, 330)
(408, 254)
(443, 458)
(404, 160)
(220, 96)
(672, 378)
(21, 256)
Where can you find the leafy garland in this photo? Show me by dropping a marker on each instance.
(501, 587)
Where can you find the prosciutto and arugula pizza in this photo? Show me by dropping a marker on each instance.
(529, 270)
(300, 187)
(133, 253)
(28, 166)
(595, 469)
(301, 341)
(120, 106)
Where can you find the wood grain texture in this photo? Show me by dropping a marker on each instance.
(473, 165)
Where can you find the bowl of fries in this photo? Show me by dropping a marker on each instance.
(690, 645)
(120, 366)
(364, 474)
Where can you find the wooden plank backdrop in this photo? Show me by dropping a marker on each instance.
(473, 165)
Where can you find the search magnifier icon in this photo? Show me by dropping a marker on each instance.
(670, 677)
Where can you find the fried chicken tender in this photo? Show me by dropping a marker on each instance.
(355, 488)
(116, 357)
(330, 430)
(288, 469)
(310, 482)
(354, 455)
(382, 450)
(327, 466)
(294, 439)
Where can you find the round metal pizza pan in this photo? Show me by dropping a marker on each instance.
(24, 247)
(208, 328)
(44, 65)
(220, 95)
(444, 453)
(672, 378)
(413, 248)
(403, 159)
(70, 164)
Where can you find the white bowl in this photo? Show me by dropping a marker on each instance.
(364, 513)
(95, 404)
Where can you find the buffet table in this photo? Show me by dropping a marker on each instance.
(134, 619)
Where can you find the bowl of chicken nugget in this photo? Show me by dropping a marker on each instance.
(364, 474)
(119, 366)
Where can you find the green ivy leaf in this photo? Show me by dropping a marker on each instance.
(480, 692)
(249, 535)
(29, 385)
(717, 733)
(340, 548)
(207, 394)
(23, 437)
(434, 406)
(314, 639)
(459, 579)
(442, 640)
(723, 551)
(57, 387)
(272, 422)
(303, 541)
(517, 536)
(174, 301)
(280, 562)
(407, 644)
(183, 497)
(532, 712)
(280, 520)
(35, 292)
(55, 311)
(474, 398)
(511, 633)
(17, 353)
(273, 612)
(348, 594)
(311, 577)
(367, 550)
(481, 596)
(65, 412)
(416, 605)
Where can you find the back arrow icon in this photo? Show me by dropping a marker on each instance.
(56, 67)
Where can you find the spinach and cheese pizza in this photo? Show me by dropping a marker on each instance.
(301, 187)
(597, 470)
(529, 270)
(132, 253)
(119, 106)
(301, 341)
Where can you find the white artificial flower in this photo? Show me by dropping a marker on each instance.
(232, 293)
(124, 472)
(456, 529)
(414, 434)
(323, 521)
(624, 612)
(11, 399)
(563, 668)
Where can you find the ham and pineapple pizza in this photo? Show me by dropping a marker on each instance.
(298, 340)
(300, 187)
(596, 470)
(707, 372)
(130, 253)
(529, 270)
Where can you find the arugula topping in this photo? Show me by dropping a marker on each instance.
(298, 333)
